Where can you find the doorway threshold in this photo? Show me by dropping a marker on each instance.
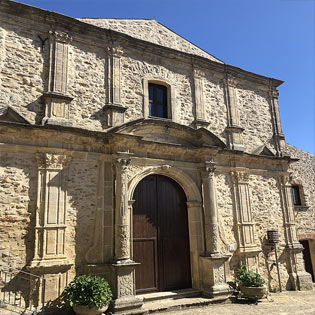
(174, 295)
(171, 300)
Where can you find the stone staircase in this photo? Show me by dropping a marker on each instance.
(173, 300)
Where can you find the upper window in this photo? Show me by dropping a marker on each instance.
(295, 189)
(158, 100)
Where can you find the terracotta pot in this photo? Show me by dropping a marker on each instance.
(254, 292)
(85, 310)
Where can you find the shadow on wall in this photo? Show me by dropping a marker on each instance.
(271, 267)
(18, 184)
(37, 107)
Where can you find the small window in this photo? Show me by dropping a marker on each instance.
(295, 189)
(158, 100)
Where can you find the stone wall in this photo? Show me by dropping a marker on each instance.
(24, 67)
(18, 178)
(303, 172)
(152, 31)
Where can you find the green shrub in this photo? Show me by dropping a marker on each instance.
(88, 290)
(248, 278)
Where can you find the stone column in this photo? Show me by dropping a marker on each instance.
(123, 267)
(244, 224)
(213, 263)
(210, 208)
(56, 99)
(122, 214)
(198, 76)
(278, 134)
(113, 108)
(234, 131)
(299, 278)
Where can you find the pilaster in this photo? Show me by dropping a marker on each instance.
(113, 109)
(56, 99)
(243, 220)
(198, 77)
(50, 259)
(299, 278)
(275, 114)
(233, 129)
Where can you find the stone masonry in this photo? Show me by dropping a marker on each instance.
(76, 138)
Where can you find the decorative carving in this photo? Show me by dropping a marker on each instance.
(219, 274)
(52, 161)
(273, 93)
(285, 179)
(230, 81)
(239, 176)
(60, 36)
(212, 237)
(122, 226)
(198, 73)
(165, 168)
(125, 285)
(208, 170)
(123, 163)
(114, 50)
(124, 239)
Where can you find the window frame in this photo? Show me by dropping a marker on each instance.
(171, 108)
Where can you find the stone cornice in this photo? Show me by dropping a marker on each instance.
(79, 28)
(110, 140)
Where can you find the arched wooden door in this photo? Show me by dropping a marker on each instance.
(160, 235)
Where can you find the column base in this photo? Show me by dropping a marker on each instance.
(124, 289)
(214, 275)
(126, 303)
(301, 281)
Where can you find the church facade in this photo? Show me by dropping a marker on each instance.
(128, 152)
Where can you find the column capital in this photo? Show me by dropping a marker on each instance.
(239, 176)
(52, 161)
(115, 50)
(273, 93)
(208, 169)
(59, 36)
(230, 81)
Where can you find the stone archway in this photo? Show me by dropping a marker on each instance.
(194, 209)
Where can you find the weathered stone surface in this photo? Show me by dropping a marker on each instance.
(72, 213)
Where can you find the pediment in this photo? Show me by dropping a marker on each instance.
(10, 115)
(168, 132)
(263, 150)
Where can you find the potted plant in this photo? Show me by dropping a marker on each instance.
(88, 295)
(250, 283)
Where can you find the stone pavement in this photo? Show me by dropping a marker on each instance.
(285, 303)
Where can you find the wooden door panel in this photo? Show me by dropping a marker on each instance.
(174, 252)
(160, 235)
(145, 252)
(176, 273)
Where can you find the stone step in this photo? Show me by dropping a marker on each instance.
(176, 294)
(169, 304)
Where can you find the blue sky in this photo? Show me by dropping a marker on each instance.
(274, 38)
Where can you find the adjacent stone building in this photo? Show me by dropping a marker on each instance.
(128, 152)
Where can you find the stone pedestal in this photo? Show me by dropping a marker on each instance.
(124, 289)
(299, 278)
(214, 270)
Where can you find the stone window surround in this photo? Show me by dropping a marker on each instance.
(303, 206)
(171, 107)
